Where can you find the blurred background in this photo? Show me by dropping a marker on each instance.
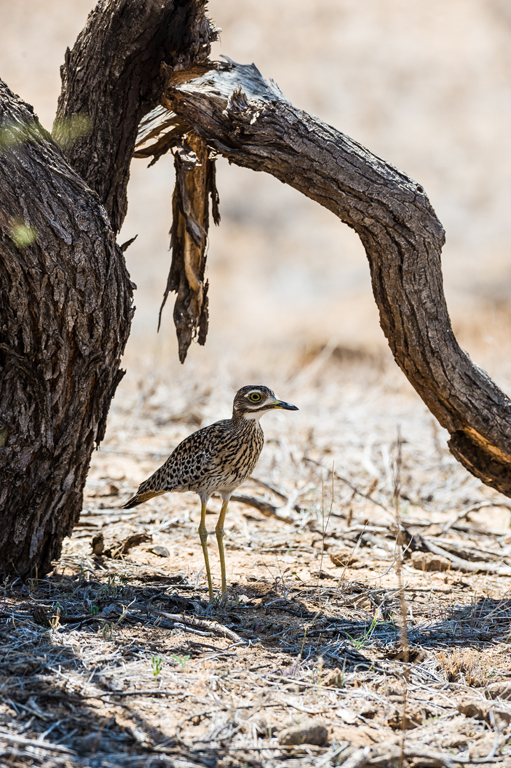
(426, 85)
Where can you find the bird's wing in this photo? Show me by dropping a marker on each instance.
(194, 458)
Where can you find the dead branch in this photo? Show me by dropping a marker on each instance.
(464, 565)
(264, 507)
(195, 182)
(248, 121)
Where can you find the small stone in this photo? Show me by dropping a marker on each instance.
(476, 709)
(98, 544)
(342, 557)
(427, 561)
(500, 690)
(160, 551)
(309, 732)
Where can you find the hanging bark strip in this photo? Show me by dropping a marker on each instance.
(248, 121)
(160, 132)
(195, 182)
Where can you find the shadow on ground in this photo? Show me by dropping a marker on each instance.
(78, 650)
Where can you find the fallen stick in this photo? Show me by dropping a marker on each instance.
(464, 565)
(473, 508)
(208, 626)
(35, 743)
(143, 692)
(266, 509)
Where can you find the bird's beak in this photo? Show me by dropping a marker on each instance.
(284, 406)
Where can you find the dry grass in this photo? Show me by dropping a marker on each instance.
(122, 662)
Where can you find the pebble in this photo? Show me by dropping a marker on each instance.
(160, 551)
(427, 561)
(309, 732)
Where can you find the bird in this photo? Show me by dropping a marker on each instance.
(216, 459)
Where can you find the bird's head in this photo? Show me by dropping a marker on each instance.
(252, 401)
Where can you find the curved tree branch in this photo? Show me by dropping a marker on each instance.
(248, 121)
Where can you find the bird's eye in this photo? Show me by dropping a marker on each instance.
(255, 397)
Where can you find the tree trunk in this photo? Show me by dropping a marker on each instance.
(115, 75)
(65, 294)
(248, 121)
(65, 311)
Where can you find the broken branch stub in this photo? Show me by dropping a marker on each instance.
(248, 121)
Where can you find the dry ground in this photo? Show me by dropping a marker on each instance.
(117, 659)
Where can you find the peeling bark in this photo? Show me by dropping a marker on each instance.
(248, 121)
(160, 132)
(195, 182)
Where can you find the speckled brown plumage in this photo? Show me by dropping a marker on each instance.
(215, 459)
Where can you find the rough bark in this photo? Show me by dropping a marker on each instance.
(114, 76)
(65, 311)
(248, 121)
(65, 294)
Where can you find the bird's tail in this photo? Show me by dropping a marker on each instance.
(143, 494)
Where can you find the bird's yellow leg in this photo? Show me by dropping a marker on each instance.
(219, 530)
(203, 533)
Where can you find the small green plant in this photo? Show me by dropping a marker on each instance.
(156, 665)
(94, 610)
(112, 586)
(61, 609)
(181, 660)
(361, 642)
